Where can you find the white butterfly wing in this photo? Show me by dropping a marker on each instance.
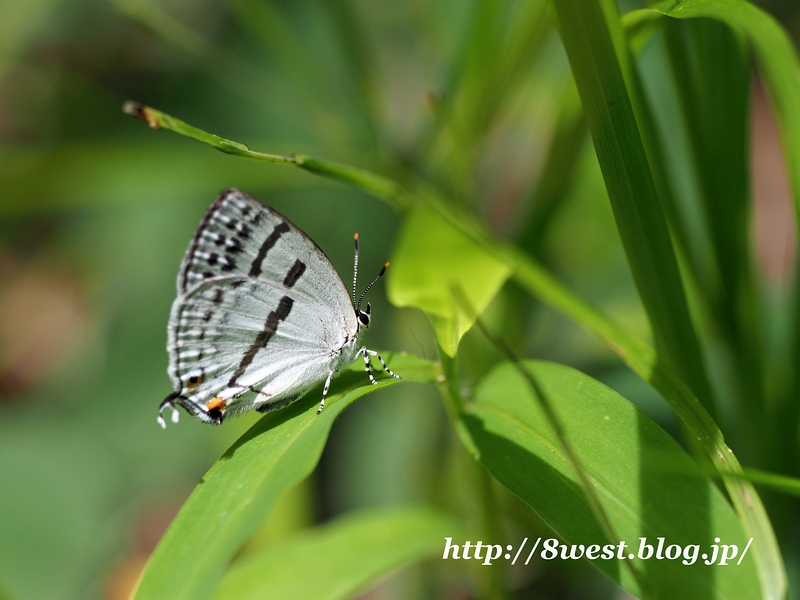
(233, 335)
(260, 309)
(241, 236)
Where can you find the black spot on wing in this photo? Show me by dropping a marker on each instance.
(298, 268)
(235, 245)
(229, 265)
(216, 415)
(204, 223)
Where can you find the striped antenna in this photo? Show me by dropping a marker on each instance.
(374, 281)
(355, 270)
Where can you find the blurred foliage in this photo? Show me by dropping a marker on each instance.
(668, 229)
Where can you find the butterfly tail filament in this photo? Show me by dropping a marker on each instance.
(168, 402)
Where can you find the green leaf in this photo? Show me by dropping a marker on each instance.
(777, 60)
(712, 69)
(780, 483)
(647, 485)
(779, 67)
(593, 38)
(339, 559)
(643, 360)
(430, 259)
(234, 497)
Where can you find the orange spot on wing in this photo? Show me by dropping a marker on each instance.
(216, 404)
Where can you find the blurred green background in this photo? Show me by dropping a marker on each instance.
(96, 211)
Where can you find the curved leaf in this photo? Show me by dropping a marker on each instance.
(344, 556)
(233, 498)
(648, 486)
(432, 258)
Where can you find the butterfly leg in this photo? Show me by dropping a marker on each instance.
(365, 353)
(383, 363)
(325, 391)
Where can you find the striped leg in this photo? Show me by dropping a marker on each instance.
(365, 353)
(383, 363)
(325, 391)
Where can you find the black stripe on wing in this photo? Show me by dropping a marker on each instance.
(262, 339)
(272, 238)
(212, 318)
(297, 270)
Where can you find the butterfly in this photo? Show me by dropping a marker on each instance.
(261, 315)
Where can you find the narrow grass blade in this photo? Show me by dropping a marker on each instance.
(712, 70)
(777, 60)
(501, 42)
(780, 483)
(592, 36)
(779, 65)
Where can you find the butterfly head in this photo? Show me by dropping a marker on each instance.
(363, 316)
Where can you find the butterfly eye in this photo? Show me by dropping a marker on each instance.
(363, 317)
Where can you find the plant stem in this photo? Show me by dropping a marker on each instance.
(381, 187)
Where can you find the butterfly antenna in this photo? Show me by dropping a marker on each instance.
(355, 270)
(374, 281)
